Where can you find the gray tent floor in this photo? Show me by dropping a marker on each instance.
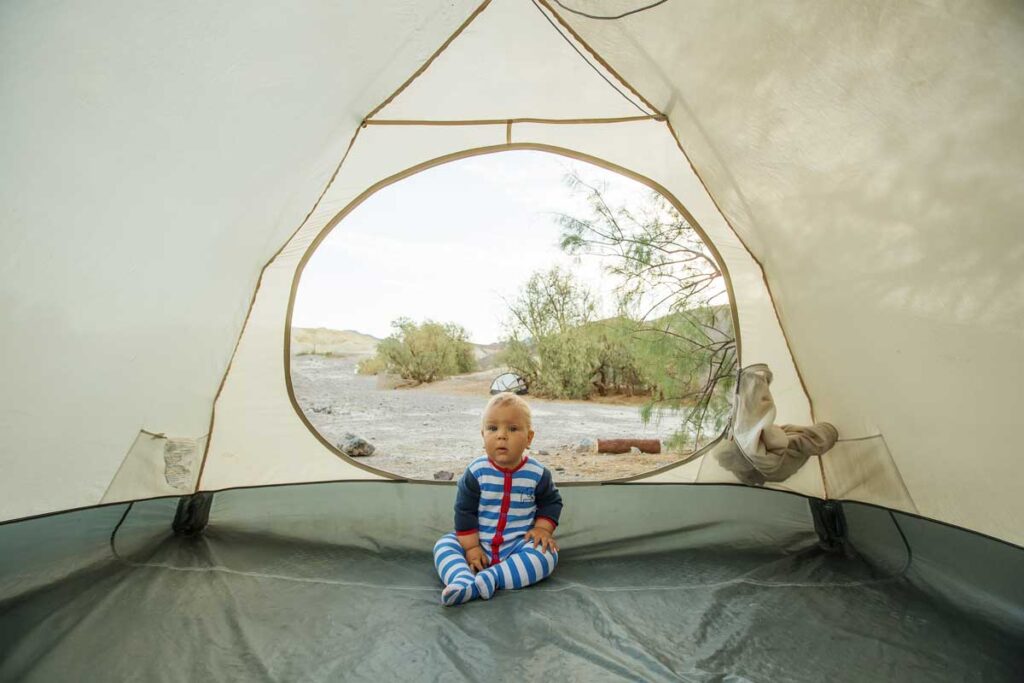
(235, 604)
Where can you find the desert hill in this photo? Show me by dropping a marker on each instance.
(327, 342)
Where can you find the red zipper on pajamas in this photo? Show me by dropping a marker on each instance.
(506, 501)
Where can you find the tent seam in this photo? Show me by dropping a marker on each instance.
(764, 278)
(598, 57)
(330, 182)
(572, 484)
(430, 60)
(596, 70)
(521, 119)
(913, 515)
(252, 303)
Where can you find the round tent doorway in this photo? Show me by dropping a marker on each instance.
(609, 394)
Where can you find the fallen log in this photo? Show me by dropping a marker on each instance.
(623, 445)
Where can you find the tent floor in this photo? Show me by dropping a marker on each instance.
(238, 605)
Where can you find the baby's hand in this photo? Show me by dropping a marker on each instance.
(477, 558)
(541, 537)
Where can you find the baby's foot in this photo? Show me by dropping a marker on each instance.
(486, 583)
(458, 592)
(481, 586)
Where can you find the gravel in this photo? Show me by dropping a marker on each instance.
(422, 430)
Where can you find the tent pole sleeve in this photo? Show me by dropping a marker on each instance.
(830, 523)
(193, 514)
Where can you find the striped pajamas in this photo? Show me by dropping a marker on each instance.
(499, 505)
(522, 566)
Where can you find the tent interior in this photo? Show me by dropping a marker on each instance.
(167, 511)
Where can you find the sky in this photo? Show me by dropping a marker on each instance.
(452, 244)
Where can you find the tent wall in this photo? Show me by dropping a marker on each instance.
(954, 566)
(870, 154)
(974, 573)
(277, 446)
(152, 162)
(977, 573)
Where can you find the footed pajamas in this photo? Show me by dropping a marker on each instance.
(500, 505)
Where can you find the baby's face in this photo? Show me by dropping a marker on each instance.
(507, 434)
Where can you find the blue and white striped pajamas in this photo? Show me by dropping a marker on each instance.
(500, 505)
(522, 566)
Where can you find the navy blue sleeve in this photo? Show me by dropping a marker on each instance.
(549, 500)
(467, 504)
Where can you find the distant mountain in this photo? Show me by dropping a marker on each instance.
(327, 342)
(486, 354)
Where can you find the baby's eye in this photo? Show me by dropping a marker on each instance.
(513, 428)
(492, 428)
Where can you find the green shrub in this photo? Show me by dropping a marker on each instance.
(683, 362)
(424, 353)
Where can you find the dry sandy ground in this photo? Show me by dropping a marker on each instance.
(422, 430)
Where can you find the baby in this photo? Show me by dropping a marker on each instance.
(506, 511)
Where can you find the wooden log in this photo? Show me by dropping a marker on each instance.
(623, 445)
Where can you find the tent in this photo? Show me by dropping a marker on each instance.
(168, 170)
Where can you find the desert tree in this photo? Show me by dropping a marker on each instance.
(672, 292)
(548, 342)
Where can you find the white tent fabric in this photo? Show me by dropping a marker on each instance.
(154, 159)
(856, 166)
(490, 71)
(256, 384)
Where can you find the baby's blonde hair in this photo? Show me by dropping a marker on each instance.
(507, 398)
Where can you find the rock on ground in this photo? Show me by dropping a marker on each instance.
(355, 446)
